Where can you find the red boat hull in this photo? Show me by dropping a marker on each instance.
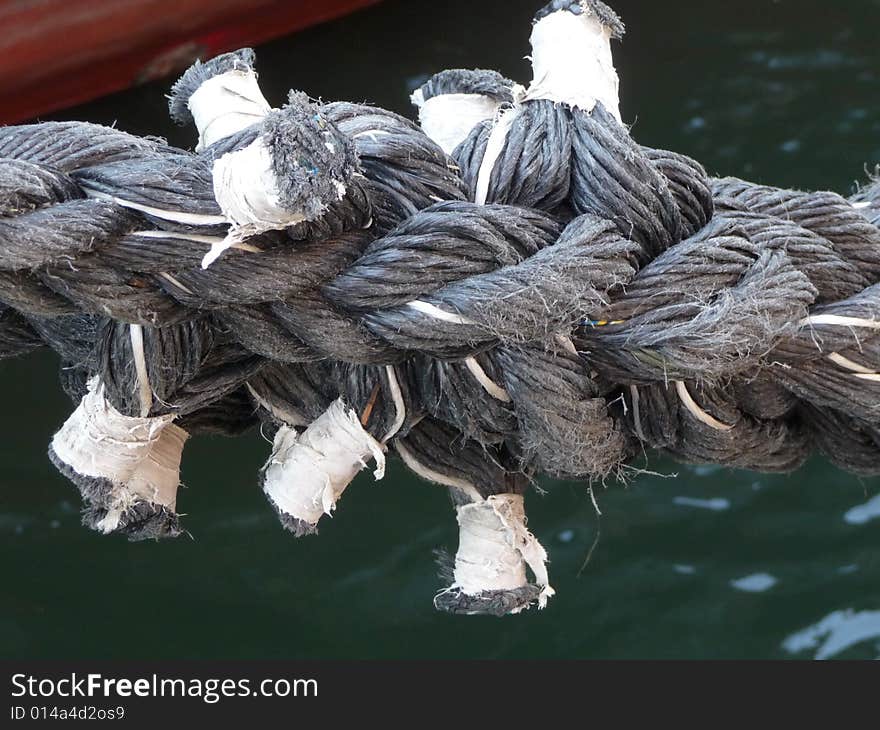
(57, 53)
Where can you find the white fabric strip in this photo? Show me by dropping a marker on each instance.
(566, 343)
(308, 472)
(140, 457)
(286, 416)
(494, 146)
(399, 405)
(489, 385)
(696, 411)
(435, 476)
(437, 313)
(145, 392)
(449, 118)
(226, 104)
(177, 216)
(839, 320)
(174, 282)
(196, 238)
(371, 133)
(177, 236)
(848, 364)
(495, 546)
(572, 62)
(637, 415)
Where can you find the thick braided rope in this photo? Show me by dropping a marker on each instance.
(552, 298)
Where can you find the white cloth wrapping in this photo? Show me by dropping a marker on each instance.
(246, 189)
(449, 118)
(572, 62)
(140, 457)
(495, 546)
(225, 104)
(308, 472)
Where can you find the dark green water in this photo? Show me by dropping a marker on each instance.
(782, 92)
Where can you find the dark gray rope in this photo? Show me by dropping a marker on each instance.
(719, 321)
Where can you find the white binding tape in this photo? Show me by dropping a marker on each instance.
(495, 547)
(308, 472)
(226, 104)
(572, 62)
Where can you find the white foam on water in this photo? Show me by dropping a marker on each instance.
(755, 583)
(863, 513)
(718, 504)
(834, 634)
